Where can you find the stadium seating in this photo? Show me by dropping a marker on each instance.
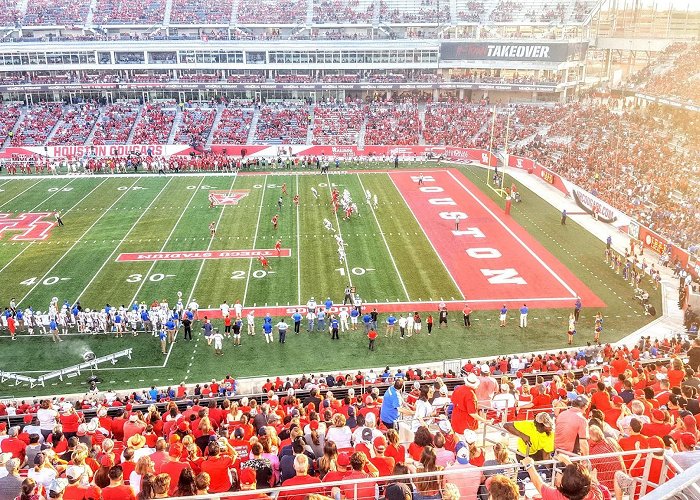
(337, 124)
(9, 15)
(454, 123)
(154, 125)
(55, 13)
(234, 125)
(413, 11)
(196, 125)
(678, 81)
(338, 11)
(9, 114)
(37, 124)
(76, 124)
(130, 12)
(115, 123)
(282, 125)
(201, 12)
(271, 12)
(389, 123)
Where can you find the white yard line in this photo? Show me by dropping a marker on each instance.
(298, 249)
(42, 202)
(255, 239)
(121, 242)
(515, 237)
(165, 243)
(78, 241)
(437, 254)
(340, 233)
(20, 194)
(211, 240)
(386, 244)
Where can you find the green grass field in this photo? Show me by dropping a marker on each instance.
(106, 217)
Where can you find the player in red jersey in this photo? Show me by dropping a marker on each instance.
(274, 221)
(263, 262)
(348, 213)
(278, 247)
(284, 188)
(296, 199)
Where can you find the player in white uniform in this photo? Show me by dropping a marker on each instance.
(251, 322)
(343, 315)
(224, 309)
(194, 307)
(375, 202)
(238, 309)
(314, 192)
(341, 254)
(218, 342)
(328, 225)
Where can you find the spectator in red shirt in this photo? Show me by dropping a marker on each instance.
(116, 489)
(75, 489)
(174, 467)
(465, 411)
(218, 467)
(384, 464)
(358, 462)
(13, 445)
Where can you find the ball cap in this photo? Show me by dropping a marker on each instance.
(176, 449)
(74, 472)
(580, 401)
(688, 440)
(106, 461)
(544, 419)
(380, 442)
(343, 459)
(462, 453)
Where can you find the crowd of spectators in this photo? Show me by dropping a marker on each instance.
(180, 441)
(201, 12)
(76, 124)
(680, 80)
(115, 123)
(294, 78)
(454, 123)
(272, 12)
(504, 11)
(234, 125)
(337, 124)
(393, 123)
(55, 13)
(37, 124)
(9, 15)
(470, 10)
(414, 11)
(147, 12)
(338, 11)
(282, 124)
(154, 125)
(9, 114)
(196, 125)
(616, 155)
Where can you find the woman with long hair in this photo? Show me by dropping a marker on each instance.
(146, 490)
(329, 459)
(30, 490)
(421, 439)
(394, 448)
(143, 467)
(427, 487)
(186, 486)
(340, 433)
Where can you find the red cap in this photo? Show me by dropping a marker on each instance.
(175, 450)
(688, 440)
(129, 407)
(658, 415)
(3, 426)
(638, 393)
(379, 442)
(562, 392)
(247, 476)
(313, 425)
(580, 389)
(689, 422)
(519, 374)
(106, 461)
(183, 425)
(617, 400)
(594, 378)
(27, 419)
(344, 459)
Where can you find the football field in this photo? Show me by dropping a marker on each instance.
(132, 239)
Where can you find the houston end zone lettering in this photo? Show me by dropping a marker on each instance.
(30, 226)
(107, 150)
(221, 254)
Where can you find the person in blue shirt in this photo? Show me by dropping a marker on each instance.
(390, 325)
(354, 315)
(119, 331)
(577, 307)
(53, 327)
(523, 316)
(170, 326)
(296, 318)
(135, 306)
(145, 321)
(328, 304)
(367, 320)
(267, 329)
(503, 314)
(393, 405)
(20, 320)
(153, 394)
(321, 317)
(386, 374)
(334, 328)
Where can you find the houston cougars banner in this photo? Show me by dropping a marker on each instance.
(64, 151)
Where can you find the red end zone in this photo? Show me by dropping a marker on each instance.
(491, 258)
(219, 254)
